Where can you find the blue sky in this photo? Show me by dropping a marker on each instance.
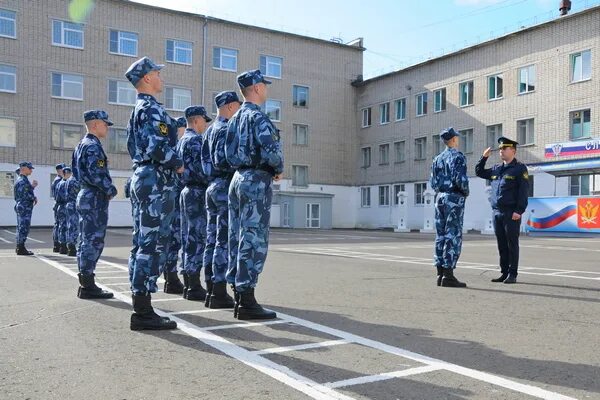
(396, 33)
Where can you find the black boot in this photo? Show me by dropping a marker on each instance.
(56, 247)
(502, 278)
(250, 309)
(172, 283)
(89, 290)
(449, 280)
(236, 301)
(219, 297)
(22, 251)
(72, 251)
(440, 273)
(511, 279)
(144, 317)
(63, 249)
(209, 291)
(195, 290)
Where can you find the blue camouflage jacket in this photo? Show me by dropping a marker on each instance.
(90, 166)
(214, 162)
(449, 172)
(71, 188)
(23, 191)
(189, 149)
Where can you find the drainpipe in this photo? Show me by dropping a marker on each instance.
(204, 40)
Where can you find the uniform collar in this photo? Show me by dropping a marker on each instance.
(145, 96)
(92, 136)
(222, 119)
(250, 105)
(513, 162)
(190, 131)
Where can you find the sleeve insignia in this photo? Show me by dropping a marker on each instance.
(101, 163)
(163, 129)
(525, 175)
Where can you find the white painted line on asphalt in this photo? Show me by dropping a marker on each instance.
(115, 277)
(4, 240)
(299, 347)
(361, 380)
(117, 284)
(245, 325)
(169, 299)
(28, 237)
(206, 310)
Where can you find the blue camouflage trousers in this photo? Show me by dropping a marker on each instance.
(61, 211)
(449, 214)
(92, 207)
(24, 211)
(55, 227)
(215, 253)
(193, 218)
(134, 234)
(250, 196)
(174, 246)
(72, 219)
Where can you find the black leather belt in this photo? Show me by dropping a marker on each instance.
(265, 168)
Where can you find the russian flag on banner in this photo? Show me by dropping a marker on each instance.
(554, 219)
(582, 147)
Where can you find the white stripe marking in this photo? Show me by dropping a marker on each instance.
(298, 347)
(169, 299)
(206, 310)
(382, 377)
(244, 325)
(4, 240)
(30, 238)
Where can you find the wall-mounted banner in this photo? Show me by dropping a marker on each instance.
(581, 147)
(564, 214)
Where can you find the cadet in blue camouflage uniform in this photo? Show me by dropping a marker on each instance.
(90, 169)
(152, 190)
(215, 166)
(61, 210)
(253, 147)
(59, 174)
(449, 180)
(24, 201)
(193, 209)
(71, 188)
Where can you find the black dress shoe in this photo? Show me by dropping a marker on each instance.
(510, 279)
(502, 278)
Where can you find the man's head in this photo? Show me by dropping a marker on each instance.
(508, 149)
(26, 168)
(253, 86)
(97, 123)
(67, 172)
(450, 137)
(227, 104)
(181, 124)
(197, 118)
(59, 169)
(144, 75)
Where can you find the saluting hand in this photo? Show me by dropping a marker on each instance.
(487, 152)
(278, 177)
(34, 183)
(516, 216)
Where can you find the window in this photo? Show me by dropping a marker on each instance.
(273, 110)
(421, 104)
(384, 195)
(313, 215)
(67, 86)
(67, 34)
(580, 124)
(178, 99)
(117, 140)
(119, 182)
(66, 136)
(8, 78)
(384, 154)
(121, 92)
(7, 183)
(301, 135)
(271, 66)
(299, 175)
(399, 151)
(366, 117)
(286, 215)
(384, 113)
(8, 132)
(466, 141)
(493, 133)
(495, 87)
(225, 59)
(466, 93)
(8, 26)
(300, 96)
(400, 109)
(437, 144)
(420, 148)
(420, 189)
(527, 79)
(397, 189)
(581, 66)
(365, 197)
(124, 43)
(439, 100)
(525, 132)
(579, 185)
(179, 51)
(366, 157)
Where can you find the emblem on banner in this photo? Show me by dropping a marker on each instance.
(556, 149)
(587, 211)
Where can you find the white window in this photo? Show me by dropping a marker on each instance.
(466, 93)
(420, 189)
(466, 140)
(384, 154)
(366, 117)
(421, 100)
(420, 148)
(178, 99)
(579, 185)
(525, 131)
(384, 195)
(8, 25)
(121, 92)
(301, 135)
(66, 136)
(580, 124)
(384, 113)
(273, 110)
(300, 95)
(399, 187)
(124, 43)
(225, 59)
(7, 183)
(119, 182)
(494, 132)
(67, 34)
(400, 109)
(8, 78)
(117, 140)
(366, 157)
(439, 100)
(179, 51)
(313, 215)
(271, 66)
(495, 87)
(399, 151)
(8, 132)
(527, 79)
(437, 144)
(67, 86)
(365, 197)
(299, 175)
(286, 215)
(581, 66)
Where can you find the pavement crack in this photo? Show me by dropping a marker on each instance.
(41, 318)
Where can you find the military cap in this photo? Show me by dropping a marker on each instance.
(140, 68)
(250, 78)
(506, 142)
(448, 134)
(224, 98)
(18, 171)
(181, 122)
(67, 169)
(97, 114)
(59, 166)
(26, 164)
(192, 111)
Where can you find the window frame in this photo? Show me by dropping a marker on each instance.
(295, 128)
(129, 87)
(384, 150)
(421, 193)
(396, 152)
(443, 98)
(401, 188)
(572, 66)
(470, 99)
(384, 111)
(11, 177)
(369, 113)
(493, 143)
(295, 100)
(437, 146)
(424, 105)
(8, 74)
(173, 88)
(2, 117)
(220, 67)
(62, 141)
(113, 141)
(310, 217)
(14, 22)
(527, 84)
(266, 72)
(119, 52)
(522, 142)
(582, 118)
(366, 151)
(280, 109)
(63, 36)
(62, 80)
(464, 140)
(295, 168)
(365, 197)
(403, 101)
(385, 196)
(495, 77)
(423, 147)
(174, 61)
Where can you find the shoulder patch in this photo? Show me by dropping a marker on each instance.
(525, 175)
(163, 129)
(101, 163)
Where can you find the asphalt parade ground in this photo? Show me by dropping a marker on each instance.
(359, 314)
